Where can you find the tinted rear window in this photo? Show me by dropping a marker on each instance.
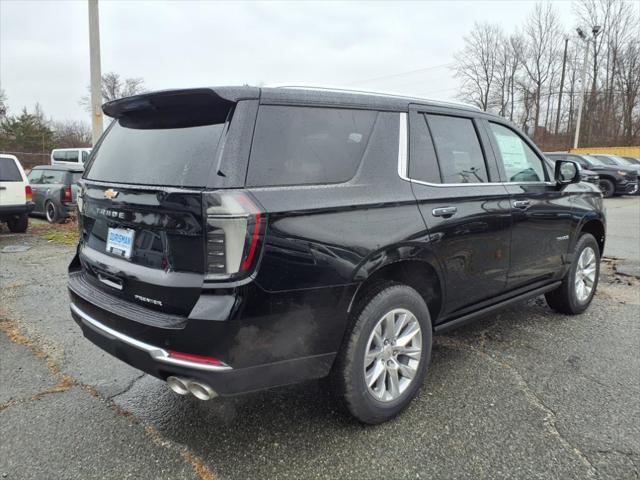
(308, 145)
(156, 156)
(9, 171)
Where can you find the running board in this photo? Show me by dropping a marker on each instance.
(463, 320)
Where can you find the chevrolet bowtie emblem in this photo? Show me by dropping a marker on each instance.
(110, 194)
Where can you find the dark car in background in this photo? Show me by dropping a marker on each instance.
(54, 190)
(619, 161)
(614, 179)
(235, 239)
(633, 160)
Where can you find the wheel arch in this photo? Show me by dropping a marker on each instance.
(595, 226)
(420, 271)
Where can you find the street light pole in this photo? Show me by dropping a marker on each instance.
(595, 30)
(564, 65)
(96, 75)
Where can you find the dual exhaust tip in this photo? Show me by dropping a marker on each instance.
(182, 386)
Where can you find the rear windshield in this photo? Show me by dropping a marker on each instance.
(156, 156)
(9, 171)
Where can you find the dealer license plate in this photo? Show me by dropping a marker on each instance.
(120, 242)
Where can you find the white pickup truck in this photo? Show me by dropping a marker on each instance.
(15, 194)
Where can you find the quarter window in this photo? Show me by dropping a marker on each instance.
(458, 149)
(308, 145)
(521, 164)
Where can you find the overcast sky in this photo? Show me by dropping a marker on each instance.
(44, 52)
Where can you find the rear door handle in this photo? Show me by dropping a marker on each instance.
(444, 211)
(521, 203)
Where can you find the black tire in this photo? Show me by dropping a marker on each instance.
(51, 212)
(348, 374)
(18, 224)
(607, 188)
(565, 298)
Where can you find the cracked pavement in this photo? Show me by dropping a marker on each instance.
(523, 393)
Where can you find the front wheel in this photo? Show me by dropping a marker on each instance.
(607, 188)
(579, 285)
(385, 355)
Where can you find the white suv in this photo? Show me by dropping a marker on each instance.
(15, 194)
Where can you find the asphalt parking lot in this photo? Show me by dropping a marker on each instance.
(524, 393)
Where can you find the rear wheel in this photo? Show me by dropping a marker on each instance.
(384, 358)
(580, 283)
(18, 224)
(607, 188)
(51, 212)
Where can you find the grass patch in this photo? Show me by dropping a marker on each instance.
(61, 233)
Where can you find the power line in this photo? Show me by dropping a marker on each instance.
(410, 72)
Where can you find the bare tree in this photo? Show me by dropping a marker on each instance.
(114, 87)
(476, 64)
(69, 134)
(3, 104)
(540, 51)
(628, 82)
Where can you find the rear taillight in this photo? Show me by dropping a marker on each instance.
(28, 193)
(67, 197)
(235, 228)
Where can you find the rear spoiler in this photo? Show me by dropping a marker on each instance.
(178, 108)
(193, 98)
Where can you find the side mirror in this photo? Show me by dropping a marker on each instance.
(567, 172)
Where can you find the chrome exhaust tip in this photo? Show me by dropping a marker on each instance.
(201, 391)
(178, 385)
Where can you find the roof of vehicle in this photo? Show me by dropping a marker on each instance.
(13, 157)
(72, 148)
(70, 168)
(293, 94)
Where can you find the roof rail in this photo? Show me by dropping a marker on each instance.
(330, 88)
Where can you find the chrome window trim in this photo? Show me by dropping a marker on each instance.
(403, 170)
(403, 138)
(156, 353)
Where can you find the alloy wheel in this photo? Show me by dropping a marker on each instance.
(585, 274)
(51, 212)
(393, 354)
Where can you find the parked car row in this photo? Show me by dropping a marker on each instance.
(617, 175)
(46, 190)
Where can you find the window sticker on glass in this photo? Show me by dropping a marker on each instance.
(521, 164)
(513, 154)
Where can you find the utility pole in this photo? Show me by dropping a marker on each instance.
(564, 65)
(96, 74)
(595, 30)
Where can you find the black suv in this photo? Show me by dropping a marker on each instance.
(237, 239)
(614, 179)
